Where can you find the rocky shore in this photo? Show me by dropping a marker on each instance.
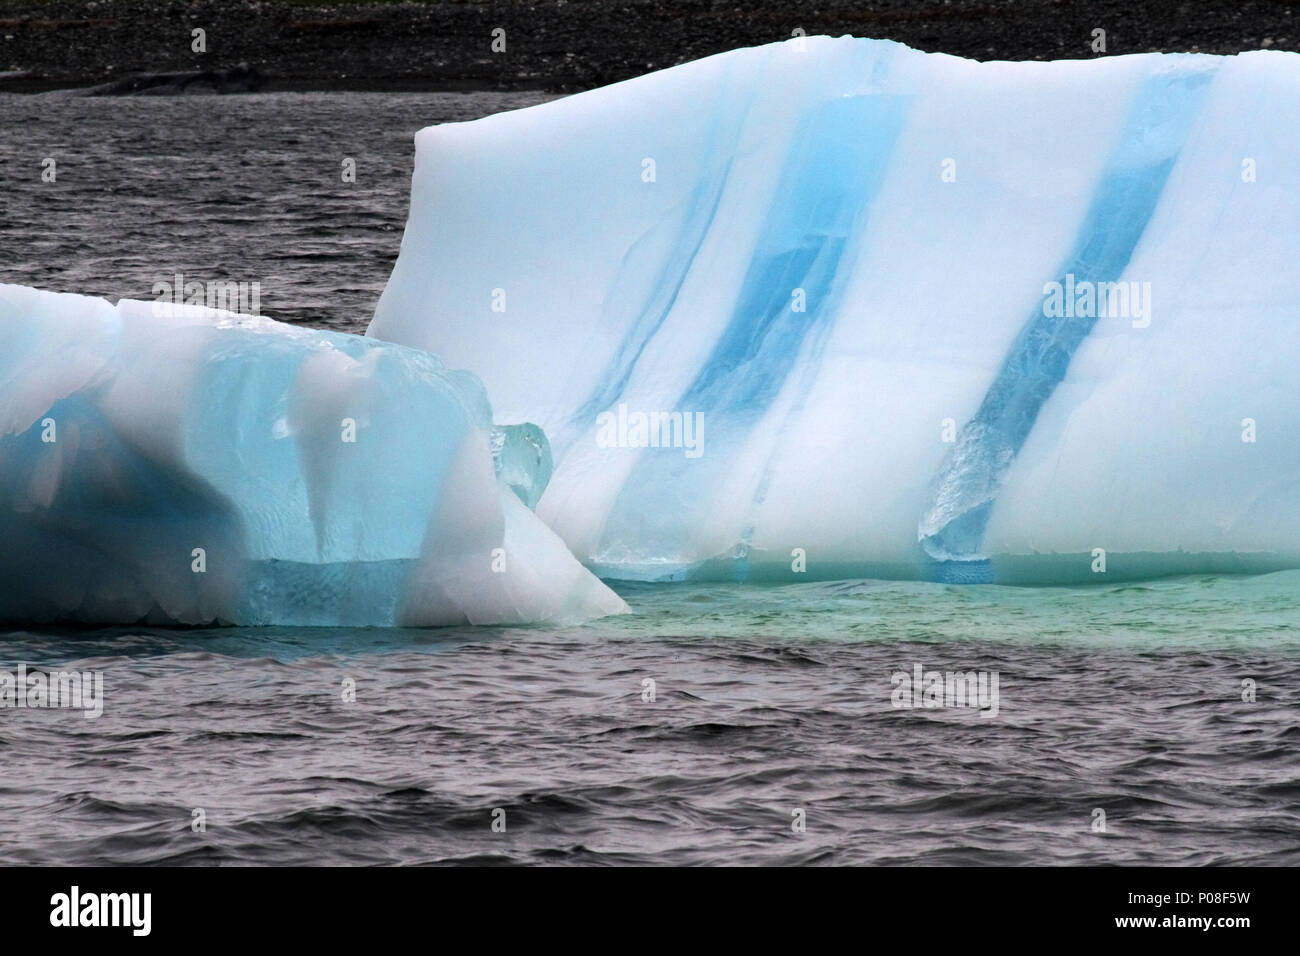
(561, 46)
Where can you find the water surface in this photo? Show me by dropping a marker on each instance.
(770, 704)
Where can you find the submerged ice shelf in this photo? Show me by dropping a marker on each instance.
(191, 466)
(834, 307)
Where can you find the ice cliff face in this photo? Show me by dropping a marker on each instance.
(192, 466)
(842, 304)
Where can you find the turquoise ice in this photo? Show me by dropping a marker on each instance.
(1163, 111)
(837, 257)
(183, 465)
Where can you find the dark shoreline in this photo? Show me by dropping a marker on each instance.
(305, 45)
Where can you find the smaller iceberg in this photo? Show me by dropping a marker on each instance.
(183, 465)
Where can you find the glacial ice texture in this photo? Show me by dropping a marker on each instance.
(184, 465)
(835, 256)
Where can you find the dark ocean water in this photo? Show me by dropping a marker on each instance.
(1169, 709)
(243, 188)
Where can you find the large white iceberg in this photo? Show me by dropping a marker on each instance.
(836, 307)
(185, 465)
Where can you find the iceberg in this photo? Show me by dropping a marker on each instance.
(183, 465)
(836, 307)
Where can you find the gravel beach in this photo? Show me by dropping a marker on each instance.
(564, 46)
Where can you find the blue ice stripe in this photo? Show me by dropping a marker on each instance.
(686, 230)
(835, 169)
(700, 211)
(837, 161)
(1157, 125)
